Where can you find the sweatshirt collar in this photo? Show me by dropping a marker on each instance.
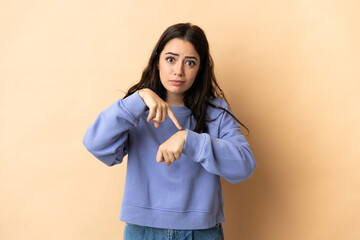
(180, 110)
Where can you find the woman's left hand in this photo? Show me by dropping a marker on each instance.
(171, 149)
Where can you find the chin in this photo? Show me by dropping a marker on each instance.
(176, 90)
(176, 93)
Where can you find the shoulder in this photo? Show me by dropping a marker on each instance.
(219, 102)
(221, 115)
(216, 107)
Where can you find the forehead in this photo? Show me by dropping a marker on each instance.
(181, 47)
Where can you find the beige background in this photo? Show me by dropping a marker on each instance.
(290, 69)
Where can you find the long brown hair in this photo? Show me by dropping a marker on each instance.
(205, 86)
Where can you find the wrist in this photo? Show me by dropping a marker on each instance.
(183, 134)
(144, 92)
(141, 92)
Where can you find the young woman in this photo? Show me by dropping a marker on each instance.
(180, 137)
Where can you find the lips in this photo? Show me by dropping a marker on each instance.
(177, 82)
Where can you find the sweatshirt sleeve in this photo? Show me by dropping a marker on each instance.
(107, 137)
(228, 156)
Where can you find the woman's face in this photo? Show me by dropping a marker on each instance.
(178, 66)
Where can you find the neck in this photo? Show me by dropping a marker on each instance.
(175, 100)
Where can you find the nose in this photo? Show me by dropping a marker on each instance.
(179, 69)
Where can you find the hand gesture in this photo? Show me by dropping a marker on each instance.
(171, 149)
(158, 108)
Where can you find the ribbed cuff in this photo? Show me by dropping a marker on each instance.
(194, 144)
(134, 105)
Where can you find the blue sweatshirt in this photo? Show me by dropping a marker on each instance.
(187, 194)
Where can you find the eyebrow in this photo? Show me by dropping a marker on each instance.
(175, 54)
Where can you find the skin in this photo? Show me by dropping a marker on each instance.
(178, 66)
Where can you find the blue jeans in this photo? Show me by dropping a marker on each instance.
(135, 232)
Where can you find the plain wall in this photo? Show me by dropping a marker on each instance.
(290, 70)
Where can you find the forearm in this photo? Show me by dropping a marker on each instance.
(230, 158)
(106, 137)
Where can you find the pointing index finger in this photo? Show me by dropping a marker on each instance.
(173, 118)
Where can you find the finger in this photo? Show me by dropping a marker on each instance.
(167, 159)
(151, 115)
(156, 124)
(177, 155)
(158, 116)
(165, 156)
(159, 156)
(164, 110)
(171, 157)
(173, 118)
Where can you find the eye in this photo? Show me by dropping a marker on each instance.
(190, 63)
(170, 59)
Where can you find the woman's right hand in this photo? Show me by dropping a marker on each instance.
(158, 108)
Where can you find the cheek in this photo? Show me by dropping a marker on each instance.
(193, 75)
(164, 70)
(161, 71)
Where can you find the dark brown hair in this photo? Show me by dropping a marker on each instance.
(205, 86)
